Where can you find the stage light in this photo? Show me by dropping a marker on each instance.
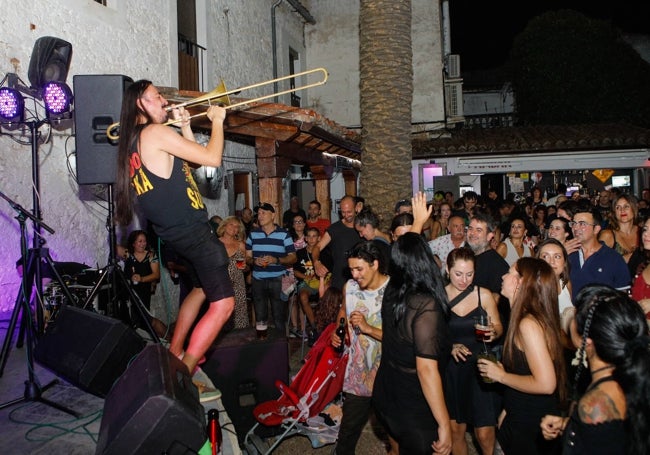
(57, 97)
(11, 107)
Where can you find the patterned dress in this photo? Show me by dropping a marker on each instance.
(240, 313)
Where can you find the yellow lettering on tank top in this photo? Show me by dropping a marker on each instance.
(195, 198)
(141, 183)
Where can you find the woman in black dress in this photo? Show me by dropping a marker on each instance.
(471, 401)
(533, 365)
(408, 393)
(143, 269)
(612, 416)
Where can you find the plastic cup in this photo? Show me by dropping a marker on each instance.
(482, 328)
(487, 356)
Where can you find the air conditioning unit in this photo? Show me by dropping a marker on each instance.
(453, 66)
(454, 99)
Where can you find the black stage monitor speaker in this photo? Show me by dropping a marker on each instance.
(152, 409)
(50, 61)
(87, 349)
(245, 370)
(98, 102)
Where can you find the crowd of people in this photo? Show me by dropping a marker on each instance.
(474, 330)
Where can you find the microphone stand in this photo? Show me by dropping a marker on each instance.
(31, 262)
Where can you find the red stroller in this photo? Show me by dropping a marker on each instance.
(297, 410)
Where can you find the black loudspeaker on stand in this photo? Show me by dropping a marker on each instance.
(98, 102)
(153, 408)
(50, 61)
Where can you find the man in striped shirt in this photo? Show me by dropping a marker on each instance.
(269, 250)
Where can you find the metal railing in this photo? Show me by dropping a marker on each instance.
(190, 64)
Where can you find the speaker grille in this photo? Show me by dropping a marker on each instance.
(98, 102)
(50, 61)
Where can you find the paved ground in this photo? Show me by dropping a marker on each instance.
(32, 427)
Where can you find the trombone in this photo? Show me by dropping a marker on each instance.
(220, 95)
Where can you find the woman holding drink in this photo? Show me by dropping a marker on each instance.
(470, 400)
(231, 233)
(533, 366)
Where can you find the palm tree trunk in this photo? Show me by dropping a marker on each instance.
(386, 84)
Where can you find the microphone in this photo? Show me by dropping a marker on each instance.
(214, 430)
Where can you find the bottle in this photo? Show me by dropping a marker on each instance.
(214, 431)
(340, 332)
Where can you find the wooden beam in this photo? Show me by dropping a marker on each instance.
(350, 179)
(271, 192)
(322, 176)
(269, 163)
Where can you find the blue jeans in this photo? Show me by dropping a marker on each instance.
(268, 291)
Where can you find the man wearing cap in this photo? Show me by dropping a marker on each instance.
(269, 250)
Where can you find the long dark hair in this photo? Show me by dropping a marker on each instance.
(129, 130)
(133, 236)
(412, 271)
(617, 326)
(292, 230)
(537, 297)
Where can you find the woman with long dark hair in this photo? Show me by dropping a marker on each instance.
(415, 350)
(153, 166)
(533, 366)
(612, 416)
(622, 233)
(471, 402)
(553, 253)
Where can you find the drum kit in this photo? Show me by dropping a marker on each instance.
(80, 281)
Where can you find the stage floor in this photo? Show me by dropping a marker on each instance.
(36, 428)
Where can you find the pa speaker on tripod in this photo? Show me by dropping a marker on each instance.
(98, 102)
(50, 61)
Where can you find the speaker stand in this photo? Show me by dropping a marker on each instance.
(31, 263)
(114, 271)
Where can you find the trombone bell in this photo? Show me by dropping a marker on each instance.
(225, 99)
(214, 95)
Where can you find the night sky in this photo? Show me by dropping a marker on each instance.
(482, 32)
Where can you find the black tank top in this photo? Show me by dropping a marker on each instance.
(168, 203)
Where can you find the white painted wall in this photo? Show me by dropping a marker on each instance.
(334, 44)
(138, 39)
(126, 38)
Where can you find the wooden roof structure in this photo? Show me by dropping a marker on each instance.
(302, 134)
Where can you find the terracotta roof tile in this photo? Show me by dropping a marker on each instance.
(532, 139)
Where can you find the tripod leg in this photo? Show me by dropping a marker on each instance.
(135, 301)
(10, 331)
(33, 390)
